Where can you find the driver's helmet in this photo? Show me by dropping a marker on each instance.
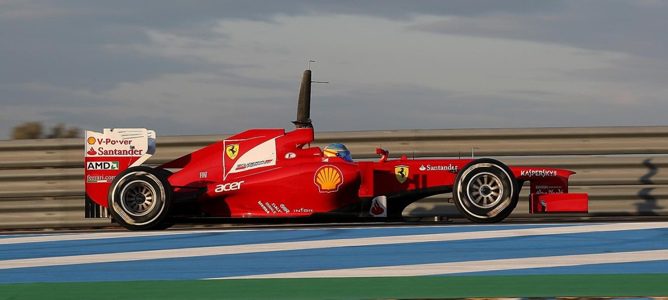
(338, 150)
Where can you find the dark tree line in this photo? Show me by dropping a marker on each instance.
(35, 130)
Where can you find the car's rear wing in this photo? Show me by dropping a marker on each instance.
(108, 153)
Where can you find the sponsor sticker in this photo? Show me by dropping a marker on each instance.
(99, 179)
(378, 207)
(230, 186)
(263, 207)
(549, 189)
(302, 210)
(273, 208)
(260, 156)
(450, 168)
(203, 175)
(115, 152)
(119, 142)
(290, 155)
(110, 141)
(538, 173)
(328, 179)
(401, 173)
(232, 151)
(102, 165)
(252, 165)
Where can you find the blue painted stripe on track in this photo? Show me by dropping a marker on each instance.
(348, 257)
(222, 238)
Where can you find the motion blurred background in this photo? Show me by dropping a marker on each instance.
(206, 67)
(212, 68)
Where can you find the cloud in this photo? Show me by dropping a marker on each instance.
(363, 51)
(222, 66)
(632, 27)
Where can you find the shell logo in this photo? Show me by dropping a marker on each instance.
(91, 140)
(328, 179)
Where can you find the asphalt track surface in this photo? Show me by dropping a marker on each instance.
(600, 258)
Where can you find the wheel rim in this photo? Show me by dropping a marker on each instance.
(138, 198)
(485, 190)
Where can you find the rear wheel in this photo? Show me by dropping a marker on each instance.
(485, 191)
(140, 199)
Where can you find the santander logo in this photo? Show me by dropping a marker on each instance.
(376, 209)
(91, 151)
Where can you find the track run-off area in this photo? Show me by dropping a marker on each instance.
(444, 261)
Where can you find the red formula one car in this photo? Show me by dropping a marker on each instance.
(272, 173)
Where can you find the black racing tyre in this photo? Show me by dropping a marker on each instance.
(140, 198)
(485, 191)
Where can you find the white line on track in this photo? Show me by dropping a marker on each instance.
(317, 244)
(94, 236)
(475, 266)
(42, 238)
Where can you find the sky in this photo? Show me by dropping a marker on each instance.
(218, 67)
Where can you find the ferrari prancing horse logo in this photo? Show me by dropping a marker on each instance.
(232, 151)
(401, 172)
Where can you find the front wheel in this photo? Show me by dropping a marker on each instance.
(485, 191)
(140, 199)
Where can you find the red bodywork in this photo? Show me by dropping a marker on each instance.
(271, 173)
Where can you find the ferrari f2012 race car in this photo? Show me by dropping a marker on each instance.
(271, 173)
